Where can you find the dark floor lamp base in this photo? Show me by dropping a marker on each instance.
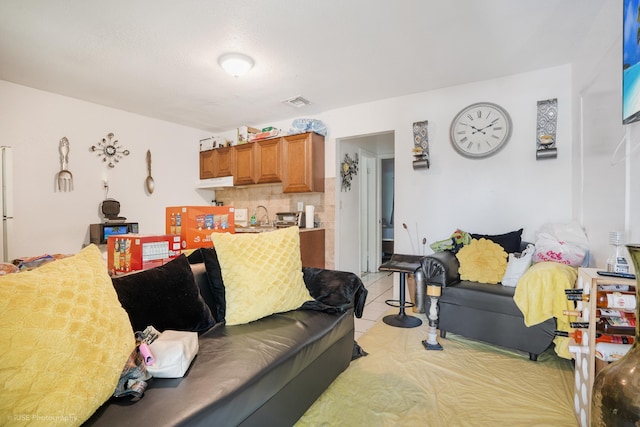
(402, 321)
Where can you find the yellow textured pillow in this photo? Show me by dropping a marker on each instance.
(262, 273)
(482, 261)
(65, 339)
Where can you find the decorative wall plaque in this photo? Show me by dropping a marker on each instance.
(546, 129)
(110, 151)
(348, 169)
(420, 145)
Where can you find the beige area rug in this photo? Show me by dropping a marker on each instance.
(467, 384)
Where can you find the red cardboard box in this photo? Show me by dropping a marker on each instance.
(132, 252)
(195, 224)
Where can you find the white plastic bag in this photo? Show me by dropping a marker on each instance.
(548, 248)
(516, 267)
(173, 353)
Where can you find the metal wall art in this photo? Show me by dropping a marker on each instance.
(546, 129)
(348, 169)
(420, 145)
(65, 177)
(110, 151)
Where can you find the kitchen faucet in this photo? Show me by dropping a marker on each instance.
(265, 217)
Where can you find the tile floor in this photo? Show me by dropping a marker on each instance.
(380, 287)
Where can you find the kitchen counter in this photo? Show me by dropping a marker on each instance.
(311, 243)
(265, 228)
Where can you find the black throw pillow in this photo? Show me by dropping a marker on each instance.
(510, 242)
(209, 257)
(165, 297)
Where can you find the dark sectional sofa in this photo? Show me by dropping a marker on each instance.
(264, 373)
(481, 311)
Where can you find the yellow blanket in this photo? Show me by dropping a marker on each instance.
(540, 296)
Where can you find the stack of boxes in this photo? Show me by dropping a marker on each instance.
(132, 252)
(194, 224)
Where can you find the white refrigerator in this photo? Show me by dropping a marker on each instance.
(6, 187)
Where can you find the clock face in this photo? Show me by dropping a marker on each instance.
(480, 130)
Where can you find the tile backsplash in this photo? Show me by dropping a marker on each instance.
(272, 197)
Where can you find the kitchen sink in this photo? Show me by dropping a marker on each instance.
(255, 229)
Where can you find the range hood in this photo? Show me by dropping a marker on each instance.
(222, 182)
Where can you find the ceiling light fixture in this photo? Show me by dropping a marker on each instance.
(236, 64)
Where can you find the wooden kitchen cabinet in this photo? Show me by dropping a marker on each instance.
(215, 163)
(243, 164)
(303, 163)
(312, 247)
(206, 164)
(295, 160)
(257, 162)
(268, 161)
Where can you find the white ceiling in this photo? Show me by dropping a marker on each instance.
(158, 58)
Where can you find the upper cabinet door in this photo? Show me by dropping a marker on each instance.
(268, 161)
(215, 163)
(206, 164)
(222, 165)
(303, 163)
(244, 164)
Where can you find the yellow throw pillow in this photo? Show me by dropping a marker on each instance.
(64, 341)
(262, 273)
(482, 261)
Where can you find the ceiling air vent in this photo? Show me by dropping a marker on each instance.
(297, 102)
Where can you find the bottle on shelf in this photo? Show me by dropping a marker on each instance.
(610, 325)
(602, 312)
(580, 338)
(610, 352)
(611, 287)
(624, 300)
(617, 262)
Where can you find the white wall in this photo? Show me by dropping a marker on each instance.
(606, 189)
(47, 221)
(498, 194)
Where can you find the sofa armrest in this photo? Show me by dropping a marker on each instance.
(441, 268)
(339, 290)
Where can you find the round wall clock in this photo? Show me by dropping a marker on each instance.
(480, 130)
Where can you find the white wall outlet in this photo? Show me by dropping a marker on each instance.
(300, 206)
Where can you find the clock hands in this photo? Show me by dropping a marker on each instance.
(476, 130)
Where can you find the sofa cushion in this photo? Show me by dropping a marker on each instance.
(165, 297)
(509, 241)
(213, 294)
(482, 261)
(242, 369)
(481, 296)
(262, 273)
(65, 339)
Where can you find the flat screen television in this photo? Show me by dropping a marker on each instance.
(631, 62)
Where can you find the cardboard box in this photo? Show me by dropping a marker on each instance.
(133, 252)
(194, 224)
(246, 132)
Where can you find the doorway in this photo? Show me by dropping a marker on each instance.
(369, 247)
(387, 185)
(359, 207)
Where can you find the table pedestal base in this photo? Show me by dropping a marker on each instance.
(431, 343)
(401, 320)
